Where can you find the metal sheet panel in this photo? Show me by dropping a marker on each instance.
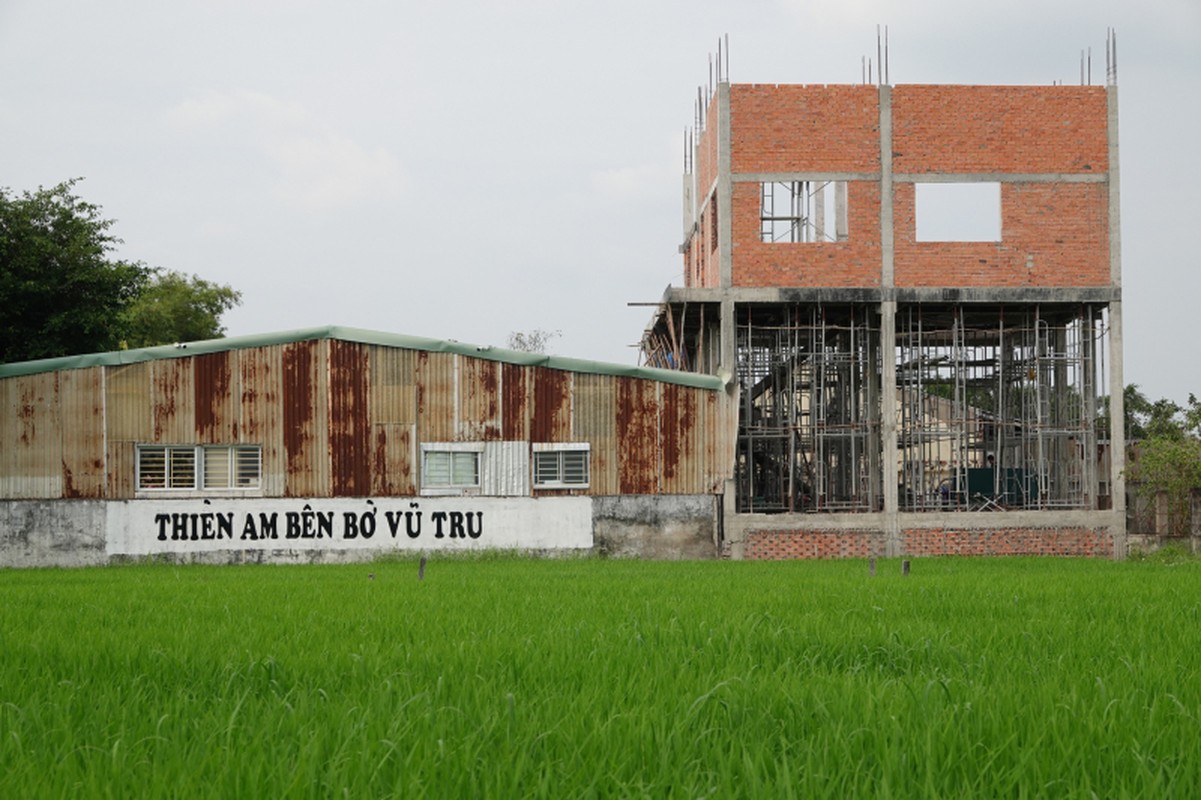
(216, 397)
(717, 435)
(172, 396)
(478, 400)
(638, 436)
(261, 422)
(505, 471)
(680, 461)
(81, 394)
(8, 437)
(122, 469)
(551, 421)
(34, 437)
(305, 431)
(349, 426)
(515, 407)
(594, 420)
(393, 458)
(127, 403)
(392, 396)
(435, 397)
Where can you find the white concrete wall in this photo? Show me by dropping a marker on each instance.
(66, 533)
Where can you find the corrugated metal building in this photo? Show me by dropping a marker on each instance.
(259, 425)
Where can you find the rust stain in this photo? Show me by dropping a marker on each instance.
(479, 405)
(381, 484)
(514, 415)
(393, 472)
(81, 409)
(27, 413)
(211, 391)
(349, 438)
(637, 437)
(173, 411)
(489, 380)
(671, 425)
(423, 358)
(298, 403)
(552, 406)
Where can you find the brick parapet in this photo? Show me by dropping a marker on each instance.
(778, 544)
(813, 544)
(1095, 543)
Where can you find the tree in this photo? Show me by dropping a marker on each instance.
(61, 291)
(1170, 467)
(173, 307)
(535, 341)
(1166, 460)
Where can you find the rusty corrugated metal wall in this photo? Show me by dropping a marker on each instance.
(81, 398)
(337, 418)
(261, 372)
(349, 420)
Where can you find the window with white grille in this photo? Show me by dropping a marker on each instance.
(450, 468)
(199, 467)
(561, 466)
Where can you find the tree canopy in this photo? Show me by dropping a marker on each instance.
(64, 292)
(61, 290)
(535, 341)
(173, 307)
(1165, 457)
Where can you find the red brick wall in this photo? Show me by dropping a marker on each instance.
(701, 265)
(774, 545)
(1061, 229)
(1009, 542)
(797, 544)
(855, 262)
(792, 128)
(1011, 129)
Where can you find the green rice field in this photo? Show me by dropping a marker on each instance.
(509, 677)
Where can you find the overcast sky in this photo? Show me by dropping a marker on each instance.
(461, 170)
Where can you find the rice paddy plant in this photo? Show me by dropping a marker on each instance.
(595, 678)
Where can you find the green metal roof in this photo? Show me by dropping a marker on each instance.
(185, 349)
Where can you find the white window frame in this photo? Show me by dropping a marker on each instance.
(242, 470)
(542, 456)
(458, 451)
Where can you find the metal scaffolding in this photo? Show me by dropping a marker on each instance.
(998, 406)
(809, 421)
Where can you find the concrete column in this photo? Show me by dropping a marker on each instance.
(725, 243)
(1117, 385)
(888, 337)
(888, 426)
(886, 224)
(725, 233)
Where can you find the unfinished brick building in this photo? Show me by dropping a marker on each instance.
(914, 295)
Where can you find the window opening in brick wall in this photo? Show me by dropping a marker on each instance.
(203, 467)
(561, 466)
(958, 212)
(803, 211)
